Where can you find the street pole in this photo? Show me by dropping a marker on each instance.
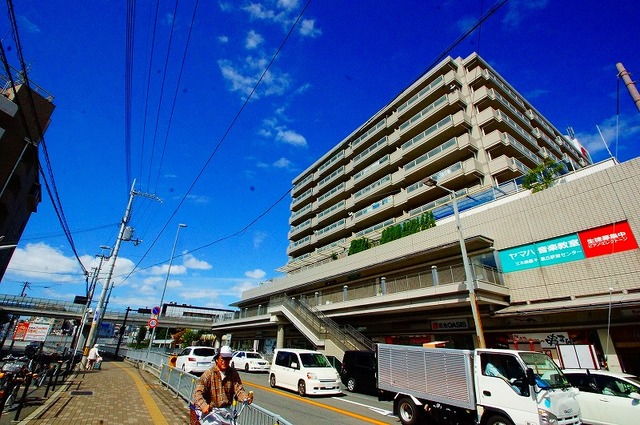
(164, 289)
(467, 266)
(121, 332)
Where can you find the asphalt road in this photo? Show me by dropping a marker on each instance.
(346, 409)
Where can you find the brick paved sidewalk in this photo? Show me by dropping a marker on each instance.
(117, 394)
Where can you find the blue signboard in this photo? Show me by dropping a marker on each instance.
(546, 253)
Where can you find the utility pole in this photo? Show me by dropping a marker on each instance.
(121, 332)
(99, 313)
(631, 87)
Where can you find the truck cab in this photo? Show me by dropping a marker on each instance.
(523, 386)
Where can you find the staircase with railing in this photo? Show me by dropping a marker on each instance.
(322, 330)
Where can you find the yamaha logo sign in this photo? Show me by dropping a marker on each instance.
(443, 325)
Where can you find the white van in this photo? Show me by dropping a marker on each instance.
(305, 371)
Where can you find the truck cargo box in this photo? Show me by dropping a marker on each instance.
(438, 374)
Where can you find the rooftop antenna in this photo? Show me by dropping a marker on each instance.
(605, 143)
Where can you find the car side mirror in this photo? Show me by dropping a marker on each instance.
(634, 395)
(294, 365)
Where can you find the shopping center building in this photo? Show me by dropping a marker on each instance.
(559, 266)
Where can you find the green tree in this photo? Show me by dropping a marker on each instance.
(542, 176)
(142, 333)
(189, 337)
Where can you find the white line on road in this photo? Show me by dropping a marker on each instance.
(378, 410)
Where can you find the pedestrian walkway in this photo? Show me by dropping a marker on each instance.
(119, 393)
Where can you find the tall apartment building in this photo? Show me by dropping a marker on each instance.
(460, 123)
(557, 267)
(24, 117)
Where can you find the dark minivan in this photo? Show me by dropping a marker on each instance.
(358, 371)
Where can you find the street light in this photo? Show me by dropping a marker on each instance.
(164, 289)
(465, 261)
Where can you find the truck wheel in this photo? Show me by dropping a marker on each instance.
(272, 380)
(351, 384)
(498, 420)
(408, 412)
(302, 388)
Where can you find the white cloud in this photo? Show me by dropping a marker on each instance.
(198, 199)
(244, 78)
(225, 6)
(288, 4)
(192, 262)
(39, 260)
(308, 29)
(27, 25)
(291, 137)
(223, 39)
(239, 82)
(282, 163)
(255, 274)
(163, 269)
(627, 129)
(168, 18)
(518, 9)
(258, 11)
(253, 40)
(258, 239)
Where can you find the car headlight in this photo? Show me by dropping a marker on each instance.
(547, 418)
(311, 375)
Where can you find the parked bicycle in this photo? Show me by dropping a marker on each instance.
(15, 372)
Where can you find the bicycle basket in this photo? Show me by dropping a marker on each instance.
(12, 367)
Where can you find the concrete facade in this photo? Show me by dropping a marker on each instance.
(466, 127)
(24, 117)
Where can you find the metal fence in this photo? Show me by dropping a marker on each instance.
(183, 384)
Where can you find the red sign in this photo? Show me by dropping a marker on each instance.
(607, 239)
(152, 323)
(21, 331)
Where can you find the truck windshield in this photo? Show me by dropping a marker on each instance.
(548, 374)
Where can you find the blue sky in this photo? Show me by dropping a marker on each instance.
(221, 167)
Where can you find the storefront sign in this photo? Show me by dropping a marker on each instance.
(603, 240)
(37, 332)
(21, 331)
(608, 239)
(540, 254)
(444, 325)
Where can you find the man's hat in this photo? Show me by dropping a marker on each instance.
(225, 352)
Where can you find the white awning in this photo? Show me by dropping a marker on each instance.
(617, 301)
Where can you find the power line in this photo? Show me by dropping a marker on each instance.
(51, 186)
(220, 142)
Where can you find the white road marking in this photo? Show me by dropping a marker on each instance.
(378, 410)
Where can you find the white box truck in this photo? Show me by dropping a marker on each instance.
(482, 386)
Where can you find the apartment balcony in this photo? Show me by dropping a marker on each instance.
(436, 134)
(491, 119)
(453, 150)
(301, 229)
(381, 187)
(328, 181)
(491, 96)
(436, 88)
(302, 185)
(330, 196)
(448, 103)
(505, 168)
(332, 213)
(467, 173)
(498, 143)
(300, 215)
(378, 211)
(335, 230)
(336, 160)
(361, 141)
(299, 247)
